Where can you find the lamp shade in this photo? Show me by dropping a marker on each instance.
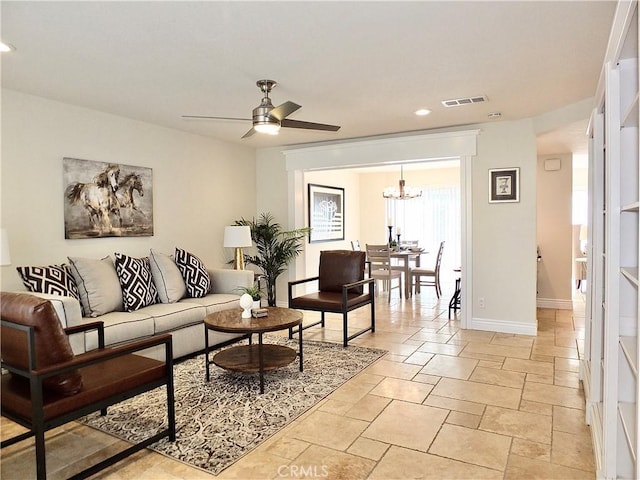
(237, 236)
(5, 256)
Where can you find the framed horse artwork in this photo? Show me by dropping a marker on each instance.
(106, 199)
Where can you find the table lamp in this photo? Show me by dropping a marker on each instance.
(5, 256)
(237, 236)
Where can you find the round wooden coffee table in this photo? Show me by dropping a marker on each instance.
(253, 358)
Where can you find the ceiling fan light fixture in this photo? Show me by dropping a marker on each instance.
(269, 128)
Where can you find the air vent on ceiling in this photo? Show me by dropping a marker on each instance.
(457, 102)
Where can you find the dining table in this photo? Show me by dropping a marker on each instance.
(404, 265)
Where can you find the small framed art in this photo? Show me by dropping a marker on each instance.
(326, 213)
(504, 185)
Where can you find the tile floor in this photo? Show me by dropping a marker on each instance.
(444, 403)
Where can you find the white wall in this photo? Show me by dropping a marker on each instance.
(555, 234)
(199, 184)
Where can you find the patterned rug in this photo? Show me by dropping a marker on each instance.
(219, 422)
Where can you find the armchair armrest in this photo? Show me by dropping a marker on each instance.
(86, 327)
(298, 282)
(103, 354)
(349, 286)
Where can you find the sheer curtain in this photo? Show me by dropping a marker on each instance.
(431, 218)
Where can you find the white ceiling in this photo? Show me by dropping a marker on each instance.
(366, 66)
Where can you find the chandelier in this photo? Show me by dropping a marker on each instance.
(403, 192)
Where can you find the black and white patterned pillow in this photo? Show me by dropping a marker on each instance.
(138, 289)
(52, 279)
(194, 273)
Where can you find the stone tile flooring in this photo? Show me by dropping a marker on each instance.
(444, 403)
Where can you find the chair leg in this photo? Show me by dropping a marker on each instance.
(345, 334)
(322, 319)
(41, 460)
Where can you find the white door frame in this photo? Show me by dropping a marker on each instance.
(391, 149)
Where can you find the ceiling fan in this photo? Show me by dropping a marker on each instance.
(268, 119)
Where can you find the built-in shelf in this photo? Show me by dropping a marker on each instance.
(627, 413)
(629, 346)
(630, 117)
(631, 273)
(612, 333)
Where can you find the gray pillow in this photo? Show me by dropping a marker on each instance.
(167, 277)
(98, 285)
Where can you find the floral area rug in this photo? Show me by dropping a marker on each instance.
(220, 421)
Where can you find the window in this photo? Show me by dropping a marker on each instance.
(431, 218)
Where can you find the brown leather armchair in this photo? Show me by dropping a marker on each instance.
(46, 385)
(341, 288)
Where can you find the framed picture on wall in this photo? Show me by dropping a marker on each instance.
(326, 213)
(504, 185)
(106, 199)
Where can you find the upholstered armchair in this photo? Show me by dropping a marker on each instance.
(341, 289)
(46, 385)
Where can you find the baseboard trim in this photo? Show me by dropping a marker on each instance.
(502, 326)
(555, 303)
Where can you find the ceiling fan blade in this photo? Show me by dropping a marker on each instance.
(282, 111)
(216, 118)
(308, 125)
(249, 133)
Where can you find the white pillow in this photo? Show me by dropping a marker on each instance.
(167, 277)
(98, 285)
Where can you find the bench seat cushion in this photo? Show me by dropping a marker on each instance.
(171, 316)
(215, 302)
(121, 327)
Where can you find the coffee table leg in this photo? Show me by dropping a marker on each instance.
(300, 346)
(206, 351)
(261, 361)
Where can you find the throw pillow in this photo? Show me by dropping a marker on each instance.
(137, 285)
(167, 277)
(98, 285)
(194, 273)
(52, 279)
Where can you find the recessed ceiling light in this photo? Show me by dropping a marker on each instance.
(422, 112)
(5, 47)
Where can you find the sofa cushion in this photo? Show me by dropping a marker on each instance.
(98, 285)
(138, 289)
(121, 327)
(215, 302)
(167, 277)
(194, 273)
(171, 316)
(51, 343)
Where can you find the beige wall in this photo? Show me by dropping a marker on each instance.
(555, 233)
(199, 184)
(503, 237)
(504, 234)
(350, 183)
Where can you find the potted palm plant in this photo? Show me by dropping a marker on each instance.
(276, 248)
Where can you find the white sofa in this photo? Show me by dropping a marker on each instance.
(182, 318)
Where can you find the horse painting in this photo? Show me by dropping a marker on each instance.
(98, 198)
(125, 194)
(107, 200)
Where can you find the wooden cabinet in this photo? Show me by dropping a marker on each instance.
(610, 366)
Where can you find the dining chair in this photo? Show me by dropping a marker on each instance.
(428, 277)
(380, 268)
